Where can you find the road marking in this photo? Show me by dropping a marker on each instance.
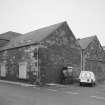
(52, 90)
(98, 97)
(72, 92)
(25, 85)
(36, 87)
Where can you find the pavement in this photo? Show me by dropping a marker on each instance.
(16, 83)
(31, 85)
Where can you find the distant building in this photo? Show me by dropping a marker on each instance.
(40, 55)
(93, 56)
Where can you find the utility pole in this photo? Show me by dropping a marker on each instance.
(82, 59)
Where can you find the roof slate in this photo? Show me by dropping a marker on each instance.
(6, 37)
(84, 42)
(9, 35)
(32, 37)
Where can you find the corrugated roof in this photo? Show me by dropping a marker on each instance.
(85, 41)
(32, 37)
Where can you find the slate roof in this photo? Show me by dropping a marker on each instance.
(9, 35)
(3, 42)
(6, 37)
(84, 42)
(32, 37)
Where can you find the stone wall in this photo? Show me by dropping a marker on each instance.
(60, 50)
(95, 59)
(11, 58)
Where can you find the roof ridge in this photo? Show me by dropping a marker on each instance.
(10, 32)
(88, 37)
(84, 42)
(35, 36)
(46, 27)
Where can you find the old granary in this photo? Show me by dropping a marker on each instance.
(41, 54)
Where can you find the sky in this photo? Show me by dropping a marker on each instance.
(84, 17)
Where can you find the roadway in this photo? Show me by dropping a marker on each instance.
(68, 95)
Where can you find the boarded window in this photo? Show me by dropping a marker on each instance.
(23, 70)
(3, 70)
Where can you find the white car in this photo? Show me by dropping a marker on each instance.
(87, 78)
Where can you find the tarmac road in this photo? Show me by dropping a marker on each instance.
(70, 95)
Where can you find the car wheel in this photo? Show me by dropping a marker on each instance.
(80, 84)
(92, 84)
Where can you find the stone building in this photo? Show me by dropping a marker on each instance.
(93, 56)
(39, 55)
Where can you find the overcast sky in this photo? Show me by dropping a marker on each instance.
(85, 17)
